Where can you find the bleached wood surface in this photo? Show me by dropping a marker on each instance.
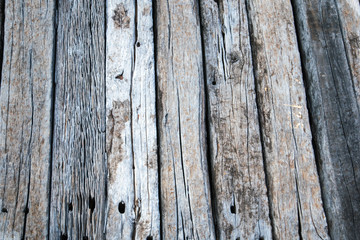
(185, 190)
(294, 191)
(331, 66)
(185, 119)
(79, 187)
(25, 119)
(241, 201)
(133, 207)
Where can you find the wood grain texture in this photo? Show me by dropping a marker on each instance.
(334, 110)
(133, 209)
(241, 201)
(25, 119)
(78, 192)
(294, 191)
(185, 191)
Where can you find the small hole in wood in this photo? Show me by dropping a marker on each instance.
(261, 238)
(138, 44)
(63, 236)
(85, 238)
(121, 207)
(214, 82)
(26, 210)
(232, 209)
(120, 77)
(149, 238)
(238, 238)
(92, 203)
(4, 210)
(70, 207)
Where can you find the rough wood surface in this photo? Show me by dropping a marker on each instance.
(294, 191)
(185, 191)
(241, 202)
(78, 191)
(25, 119)
(330, 76)
(133, 209)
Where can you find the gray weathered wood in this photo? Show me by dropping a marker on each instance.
(78, 191)
(131, 122)
(241, 201)
(294, 191)
(331, 79)
(185, 191)
(25, 119)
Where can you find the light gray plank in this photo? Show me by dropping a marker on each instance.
(294, 191)
(133, 208)
(242, 210)
(25, 119)
(78, 192)
(185, 192)
(334, 108)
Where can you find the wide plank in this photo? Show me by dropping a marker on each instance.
(131, 141)
(295, 200)
(185, 190)
(78, 190)
(25, 119)
(331, 76)
(238, 178)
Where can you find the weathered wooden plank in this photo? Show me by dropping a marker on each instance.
(133, 209)
(78, 191)
(294, 191)
(242, 210)
(2, 20)
(185, 192)
(331, 76)
(25, 119)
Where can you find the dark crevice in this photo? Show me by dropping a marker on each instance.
(52, 112)
(106, 203)
(2, 33)
(317, 154)
(154, 15)
(254, 53)
(213, 200)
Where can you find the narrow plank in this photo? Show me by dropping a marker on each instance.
(294, 192)
(242, 210)
(349, 14)
(185, 192)
(78, 191)
(25, 119)
(131, 144)
(334, 109)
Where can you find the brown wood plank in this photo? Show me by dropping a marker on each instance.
(332, 75)
(133, 209)
(78, 192)
(241, 201)
(294, 191)
(25, 119)
(185, 192)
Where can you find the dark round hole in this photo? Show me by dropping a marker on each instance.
(26, 210)
(63, 236)
(149, 238)
(214, 82)
(4, 210)
(121, 207)
(261, 238)
(70, 207)
(238, 238)
(138, 44)
(92, 203)
(85, 238)
(232, 209)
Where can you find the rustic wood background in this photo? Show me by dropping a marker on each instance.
(180, 119)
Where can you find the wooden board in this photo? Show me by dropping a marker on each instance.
(294, 191)
(331, 77)
(79, 190)
(133, 208)
(25, 119)
(185, 191)
(241, 201)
